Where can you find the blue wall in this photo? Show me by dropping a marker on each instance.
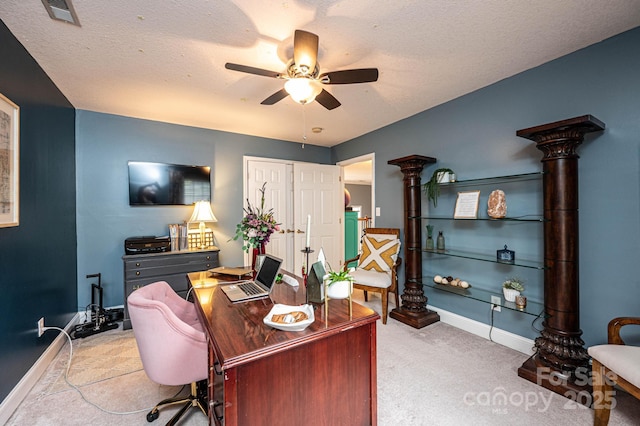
(38, 257)
(62, 189)
(104, 145)
(475, 135)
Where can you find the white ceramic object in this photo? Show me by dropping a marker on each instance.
(443, 177)
(510, 294)
(339, 290)
(285, 309)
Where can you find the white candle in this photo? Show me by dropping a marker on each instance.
(308, 231)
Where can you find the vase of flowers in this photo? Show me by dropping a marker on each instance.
(256, 227)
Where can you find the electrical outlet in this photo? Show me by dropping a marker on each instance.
(495, 303)
(40, 326)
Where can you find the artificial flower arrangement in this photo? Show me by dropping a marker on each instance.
(257, 225)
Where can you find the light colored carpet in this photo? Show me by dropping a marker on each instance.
(437, 375)
(100, 357)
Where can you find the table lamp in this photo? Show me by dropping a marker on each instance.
(202, 213)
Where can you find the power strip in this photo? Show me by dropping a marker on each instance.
(290, 280)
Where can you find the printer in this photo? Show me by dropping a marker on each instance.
(147, 244)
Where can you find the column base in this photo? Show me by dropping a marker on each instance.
(415, 319)
(576, 387)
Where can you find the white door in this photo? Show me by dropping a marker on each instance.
(294, 191)
(318, 193)
(277, 197)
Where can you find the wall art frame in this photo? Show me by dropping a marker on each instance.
(9, 162)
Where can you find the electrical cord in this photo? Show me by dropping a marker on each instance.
(533, 323)
(493, 305)
(66, 379)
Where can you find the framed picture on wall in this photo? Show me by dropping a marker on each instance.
(9, 162)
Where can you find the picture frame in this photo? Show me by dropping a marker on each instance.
(9, 162)
(467, 205)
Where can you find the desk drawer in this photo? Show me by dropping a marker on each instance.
(168, 265)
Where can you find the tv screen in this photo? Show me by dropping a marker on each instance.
(160, 184)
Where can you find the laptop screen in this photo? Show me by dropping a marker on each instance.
(268, 271)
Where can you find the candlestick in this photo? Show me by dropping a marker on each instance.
(305, 267)
(308, 231)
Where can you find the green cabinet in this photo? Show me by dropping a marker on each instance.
(351, 236)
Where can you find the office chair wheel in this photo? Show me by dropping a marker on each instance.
(152, 415)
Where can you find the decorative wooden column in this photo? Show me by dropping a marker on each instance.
(413, 310)
(561, 362)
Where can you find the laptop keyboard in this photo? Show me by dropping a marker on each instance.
(250, 289)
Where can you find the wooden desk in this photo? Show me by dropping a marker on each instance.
(324, 375)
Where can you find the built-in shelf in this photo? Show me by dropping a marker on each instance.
(527, 218)
(524, 263)
(494, 179)
(532, 307)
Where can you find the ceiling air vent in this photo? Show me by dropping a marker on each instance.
(61, 10)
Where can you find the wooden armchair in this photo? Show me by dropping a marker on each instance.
(378, 264)
(614, 363)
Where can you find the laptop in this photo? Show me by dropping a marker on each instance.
(258, 288)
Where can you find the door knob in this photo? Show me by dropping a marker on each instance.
(299, 231)
(290, 231)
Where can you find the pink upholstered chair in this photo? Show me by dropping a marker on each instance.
(172, 344)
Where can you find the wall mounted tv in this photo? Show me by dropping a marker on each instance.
(163, 184)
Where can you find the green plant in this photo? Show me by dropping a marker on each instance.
(334, 277)
(514, 283)
(432, 187)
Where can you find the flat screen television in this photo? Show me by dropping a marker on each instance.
(161, 184)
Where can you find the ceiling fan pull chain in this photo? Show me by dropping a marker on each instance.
(304, 126)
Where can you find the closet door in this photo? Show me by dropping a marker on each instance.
(296, 191)
(278, 197)
(318, 193)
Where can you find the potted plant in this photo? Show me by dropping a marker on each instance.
(432, 187)
(512, 288)
(339, 285)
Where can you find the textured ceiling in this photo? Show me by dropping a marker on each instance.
(164, 60)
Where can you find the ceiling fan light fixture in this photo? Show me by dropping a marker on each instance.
(302, 90)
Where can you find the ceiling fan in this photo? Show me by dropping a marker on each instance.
(304, 81)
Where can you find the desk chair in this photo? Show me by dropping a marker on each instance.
(614, 363)
(172, 345)
(378, 264)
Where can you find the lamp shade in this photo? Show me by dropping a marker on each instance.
(203, 213)
(302, 90)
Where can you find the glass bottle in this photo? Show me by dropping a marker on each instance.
(429, 237)
(440, 242)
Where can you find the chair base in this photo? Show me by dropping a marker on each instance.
(197, 398)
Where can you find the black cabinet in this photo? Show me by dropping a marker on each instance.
(172, 267)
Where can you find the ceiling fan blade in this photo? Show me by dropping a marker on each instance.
(327, 100)
(276, 97)
(252, 70)
(362, 75)
(305, 50)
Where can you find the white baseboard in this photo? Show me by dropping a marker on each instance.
(22, 389)
(505, 338)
